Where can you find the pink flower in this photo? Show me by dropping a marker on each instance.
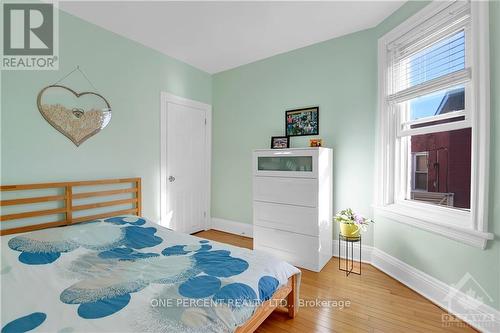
(358, 219)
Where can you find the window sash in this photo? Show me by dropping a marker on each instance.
(402, 132)
(449, 115)
(442, 83)
(456, 125)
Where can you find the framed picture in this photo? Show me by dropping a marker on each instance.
(280, 142)
(302, 122)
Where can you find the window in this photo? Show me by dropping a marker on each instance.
(434, 121)
(420, 174)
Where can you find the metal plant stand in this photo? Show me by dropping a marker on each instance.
(349, 254)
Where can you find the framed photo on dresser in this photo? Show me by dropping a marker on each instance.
(280, 142)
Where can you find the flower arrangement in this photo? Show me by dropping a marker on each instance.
(351, 223)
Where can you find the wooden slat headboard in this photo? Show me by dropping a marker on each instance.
(68, 200)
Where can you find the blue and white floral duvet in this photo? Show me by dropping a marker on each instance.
(125, 274)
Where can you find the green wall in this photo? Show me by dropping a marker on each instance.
(131, 77)
(340, 75)
(249, 105)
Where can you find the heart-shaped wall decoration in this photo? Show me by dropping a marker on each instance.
(76, 115)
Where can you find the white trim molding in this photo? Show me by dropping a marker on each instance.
(391, 178)
(455, 301)
(468, 236)
(479, 315)
(232, 227)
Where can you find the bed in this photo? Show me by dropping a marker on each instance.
(115, 271)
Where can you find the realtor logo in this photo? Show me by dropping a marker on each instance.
(467, 300)
(30, 36)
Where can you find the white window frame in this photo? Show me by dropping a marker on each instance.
(471, 226)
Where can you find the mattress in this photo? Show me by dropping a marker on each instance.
(127, 274)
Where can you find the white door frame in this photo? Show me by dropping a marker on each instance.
(165, 99)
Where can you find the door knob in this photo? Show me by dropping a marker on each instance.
(171, 178)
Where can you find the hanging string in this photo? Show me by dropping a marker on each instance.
(77, 68)
(86, 77)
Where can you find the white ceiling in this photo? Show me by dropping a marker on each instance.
(216, 36)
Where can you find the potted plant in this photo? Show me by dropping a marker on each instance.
(351, 223)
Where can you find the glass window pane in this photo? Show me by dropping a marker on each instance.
(443, 57)
(447, 178)
(421, 162)
(421, 181)
(284, 163)
(437, 103)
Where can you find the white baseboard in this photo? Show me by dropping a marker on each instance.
(232, 227)
(483, 317)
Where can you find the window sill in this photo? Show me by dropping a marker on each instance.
(413, 217)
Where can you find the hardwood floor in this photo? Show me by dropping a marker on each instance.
(378, 303)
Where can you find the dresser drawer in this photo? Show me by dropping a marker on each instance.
(299, 219)
(292, 191)
(297, 244)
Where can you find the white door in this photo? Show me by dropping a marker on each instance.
(185, 166)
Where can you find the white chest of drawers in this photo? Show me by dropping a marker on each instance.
(292, 205)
